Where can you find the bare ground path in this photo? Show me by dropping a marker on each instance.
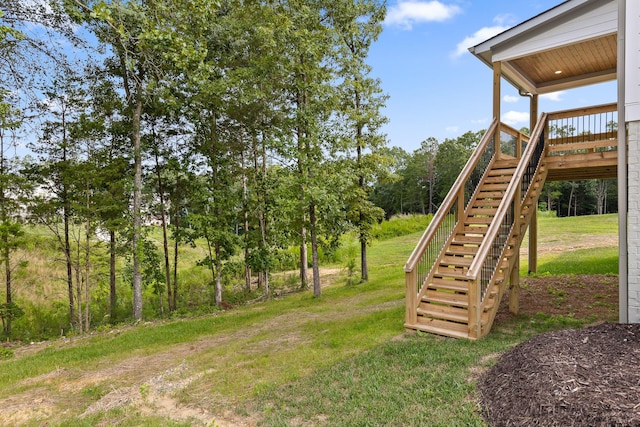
(177, 382)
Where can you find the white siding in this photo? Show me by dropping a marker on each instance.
(633, 221)
(632, 62)
(591, 21)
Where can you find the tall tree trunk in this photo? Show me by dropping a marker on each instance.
(364, 268)
(261, 170)
(6, 253)
(570, 198)
(87, 267)
(113, 296)
(317, 291)
(77, 268)
(137, 201)
(218, 290)
(66, 208)
(176, 225)
(245, 229)
(165, 239)
(6, 258)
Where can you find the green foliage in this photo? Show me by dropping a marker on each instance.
(5, 353)
(42, 322)
(401, 226)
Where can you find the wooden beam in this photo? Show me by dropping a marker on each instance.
(533, 222)
(514, 288)
(497, 72)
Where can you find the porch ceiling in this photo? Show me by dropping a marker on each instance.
(579, 64)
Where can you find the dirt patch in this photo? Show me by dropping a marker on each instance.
(580, 296)
(584, 377)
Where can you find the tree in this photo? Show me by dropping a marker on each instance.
(149, 40)
(451, 158)
(357, 24)
(58, 151)
(11, 187)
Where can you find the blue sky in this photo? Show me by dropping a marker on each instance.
(436, 87)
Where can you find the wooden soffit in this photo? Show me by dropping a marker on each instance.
(571, 45)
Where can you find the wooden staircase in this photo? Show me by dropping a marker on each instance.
(468, 256)
(459, 285)
(443, 308)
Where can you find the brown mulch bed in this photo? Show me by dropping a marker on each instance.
(583, 377)
(582, 296)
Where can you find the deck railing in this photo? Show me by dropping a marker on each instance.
(418, 268)
(583, 130)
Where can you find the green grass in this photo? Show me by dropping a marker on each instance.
(342, 359)
(579, 231)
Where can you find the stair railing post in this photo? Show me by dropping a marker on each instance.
(474, 308)
(411, 303)
(460, 209)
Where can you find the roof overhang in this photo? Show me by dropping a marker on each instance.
(573, 44)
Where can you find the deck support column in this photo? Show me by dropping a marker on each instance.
(475, 331)
(533, 224)
(497, 73)
(514, 289)
(411, 299)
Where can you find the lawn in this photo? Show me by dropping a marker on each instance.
(342, 359)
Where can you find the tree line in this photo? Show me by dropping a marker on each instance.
(419, 181)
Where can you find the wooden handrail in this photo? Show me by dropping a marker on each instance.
(448, 201)
(514, 185)
(584, 111)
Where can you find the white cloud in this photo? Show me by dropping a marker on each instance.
(553, 96)
(480, 121)
(511, 99)
(505, 19)
(406, 13)
(479, 36)
(452, 129)
(514, 118)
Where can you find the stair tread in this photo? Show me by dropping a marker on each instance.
(494, 187)
(440, 330)
(502, 171)
(459, 300)
(464, 239)
(484, 203)
(477, 220)
(461, 250)
(483, 211)
(505, 163)
(489, 194)
(449, 284)
(456, 260)
(444, 312)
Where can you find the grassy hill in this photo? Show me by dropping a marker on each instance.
(343, 359)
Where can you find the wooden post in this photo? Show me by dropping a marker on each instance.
(514, 288)
(411, 299)
(474, 309)
(460, 209)
(533, 224)
(497, 72)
